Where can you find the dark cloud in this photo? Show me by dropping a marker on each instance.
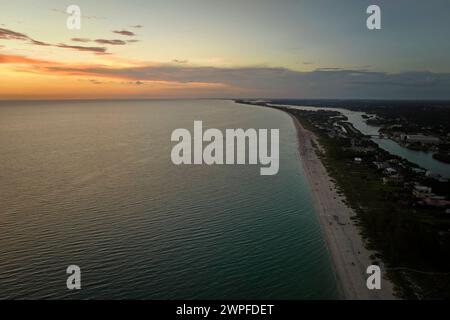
(328, 69)
(308, 62)
(98, 50)
(134, 83)
(132, 41)
(12, 35)
(282, 82)
(138, 26)
(124, 33)
(39, 43)
(81, 39)
(406, 79)
(263, 82)
(112, 42)
(179, 61)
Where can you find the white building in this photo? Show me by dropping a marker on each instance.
(390, 171)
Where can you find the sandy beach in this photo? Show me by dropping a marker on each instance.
(346, 248)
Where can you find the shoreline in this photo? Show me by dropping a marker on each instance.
(345, 245)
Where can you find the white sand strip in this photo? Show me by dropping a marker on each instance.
(349, 256)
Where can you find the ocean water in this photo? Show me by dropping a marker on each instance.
(92, 184)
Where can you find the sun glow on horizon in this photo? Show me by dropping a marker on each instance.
(254, 48)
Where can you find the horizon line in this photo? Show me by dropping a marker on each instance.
(221, 98)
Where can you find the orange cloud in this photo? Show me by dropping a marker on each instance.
(12, 59)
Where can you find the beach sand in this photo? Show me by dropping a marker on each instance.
(349, 256)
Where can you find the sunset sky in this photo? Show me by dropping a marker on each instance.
(224, 49)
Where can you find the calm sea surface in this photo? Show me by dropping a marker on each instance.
(92, 184)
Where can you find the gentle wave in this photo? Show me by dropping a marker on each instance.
(88, 188)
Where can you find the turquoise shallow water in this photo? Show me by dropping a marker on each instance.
(92, 184)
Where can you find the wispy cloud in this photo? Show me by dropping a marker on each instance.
(179, 61)
(7, 34)
(124, 33)
(264, 81)
(81, 40)
(114, 42)
(111, 42)
(99, 50)
(14, 59)
(94, 81)
(329, 69)
(40, 43)
(13, 35)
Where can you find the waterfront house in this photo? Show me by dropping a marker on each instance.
(381, 165)
(390, 171)
(412, 138)
(420, 191)
(419, 170)
(397, 179)
(432, 175)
